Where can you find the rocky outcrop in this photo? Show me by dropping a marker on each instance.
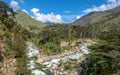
(66, 68)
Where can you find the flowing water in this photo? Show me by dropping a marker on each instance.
(32, 51)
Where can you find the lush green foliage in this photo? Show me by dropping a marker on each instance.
(28, 22)
(13, 37)
(50, 37)
(105, 55)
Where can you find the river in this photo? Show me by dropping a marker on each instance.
(32, 52)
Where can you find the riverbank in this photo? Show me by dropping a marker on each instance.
(69, 64)
(41, 58)
(44, 58)
(66, 63)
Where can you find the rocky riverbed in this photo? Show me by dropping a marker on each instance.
(63, 64)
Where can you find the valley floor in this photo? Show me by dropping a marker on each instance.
(62, 63)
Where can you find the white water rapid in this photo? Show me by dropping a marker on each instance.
(33, 51)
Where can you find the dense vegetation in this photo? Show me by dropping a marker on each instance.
(105, 55)
(50, 37)
(13, 37)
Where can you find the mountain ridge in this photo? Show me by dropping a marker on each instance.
(27, 22)
(96, 16)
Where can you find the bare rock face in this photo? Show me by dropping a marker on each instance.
(8, 67)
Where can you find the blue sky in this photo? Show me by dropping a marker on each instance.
(61, 11)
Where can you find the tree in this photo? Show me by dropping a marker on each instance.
(105, 55)
(5, 11)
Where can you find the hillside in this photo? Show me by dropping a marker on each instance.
(88, 46)
(12, 44)
(28, 22)
(108, 16)
(87, 18)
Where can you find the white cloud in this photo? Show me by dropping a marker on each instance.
(14, 4)
(35, 10)
(25, 11)
(52, 18)
(110, 4)
(67, 11)
(78, 17)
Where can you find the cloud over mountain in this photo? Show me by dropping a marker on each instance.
(14, 4)
(110, 4)
(46, 18)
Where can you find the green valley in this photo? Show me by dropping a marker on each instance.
(88, 46)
